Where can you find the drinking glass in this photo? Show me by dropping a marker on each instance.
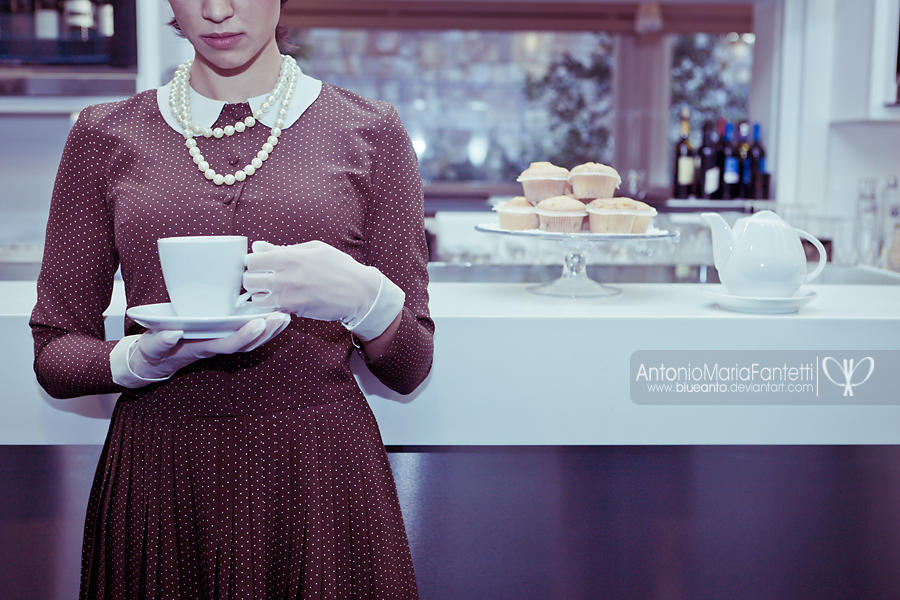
(868, 231)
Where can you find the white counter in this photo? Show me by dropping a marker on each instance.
(514, 368)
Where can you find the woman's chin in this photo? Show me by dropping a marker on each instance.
(228, 61)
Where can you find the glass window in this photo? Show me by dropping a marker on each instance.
(479, 105)
(711, 76)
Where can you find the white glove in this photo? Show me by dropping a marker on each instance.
(318, 281)
(140, 359)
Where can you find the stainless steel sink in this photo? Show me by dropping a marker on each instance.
(858, 275)
(521, 273)
(498, 273)
(495, 273)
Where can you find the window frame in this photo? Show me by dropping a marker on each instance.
(615, 18)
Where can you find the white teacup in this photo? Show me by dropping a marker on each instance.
(203, 274)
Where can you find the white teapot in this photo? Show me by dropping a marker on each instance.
(761, 256)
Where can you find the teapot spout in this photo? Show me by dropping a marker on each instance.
(722, 238)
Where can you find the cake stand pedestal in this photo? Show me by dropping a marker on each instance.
(574, 281)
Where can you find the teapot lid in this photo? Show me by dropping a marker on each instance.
(763, 217)
(766, 215)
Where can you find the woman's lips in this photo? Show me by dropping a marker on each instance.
(222, 41)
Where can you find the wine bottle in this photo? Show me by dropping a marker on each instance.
(743, 145)
(20, 19)
(78, 17)
(4, 19)
(46, 19)
(758, 178)
(105, 19)
(730, 182)
(683, 175)
(708, 171)
(720, 158)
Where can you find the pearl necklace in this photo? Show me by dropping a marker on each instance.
(180, 104)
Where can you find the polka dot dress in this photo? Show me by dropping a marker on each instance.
(244, 476)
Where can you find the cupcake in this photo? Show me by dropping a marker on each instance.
(593, 180)
(645, 214)
(517, 214)
(561, 214)
(543, 180)
(611, 215)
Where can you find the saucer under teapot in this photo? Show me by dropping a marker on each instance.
(757, 305)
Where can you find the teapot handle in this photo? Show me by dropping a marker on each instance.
(822, 256)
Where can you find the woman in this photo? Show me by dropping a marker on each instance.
(248, 466)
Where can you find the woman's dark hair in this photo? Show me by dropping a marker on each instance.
(281, 34)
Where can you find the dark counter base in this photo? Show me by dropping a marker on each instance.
(692, 522)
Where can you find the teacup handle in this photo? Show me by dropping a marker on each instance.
(242, 299)
(822, 256)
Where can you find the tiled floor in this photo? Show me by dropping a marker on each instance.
(697, 523)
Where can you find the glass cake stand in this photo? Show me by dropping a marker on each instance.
(574, 282)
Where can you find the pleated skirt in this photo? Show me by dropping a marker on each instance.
(290, 504)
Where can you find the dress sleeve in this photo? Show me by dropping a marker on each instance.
(395, 234)
(74, 287)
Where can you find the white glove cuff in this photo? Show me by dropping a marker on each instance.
(120, 367)
(388, 304)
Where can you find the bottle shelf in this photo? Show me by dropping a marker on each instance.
(62, 105)
(701, 203)
(42, 81)
(56, 52)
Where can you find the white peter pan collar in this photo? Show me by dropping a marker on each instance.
(205, 111)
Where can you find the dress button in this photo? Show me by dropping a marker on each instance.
(234, 161)
(228, 199)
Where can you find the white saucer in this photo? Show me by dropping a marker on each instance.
(766, 306)
(158, 317)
